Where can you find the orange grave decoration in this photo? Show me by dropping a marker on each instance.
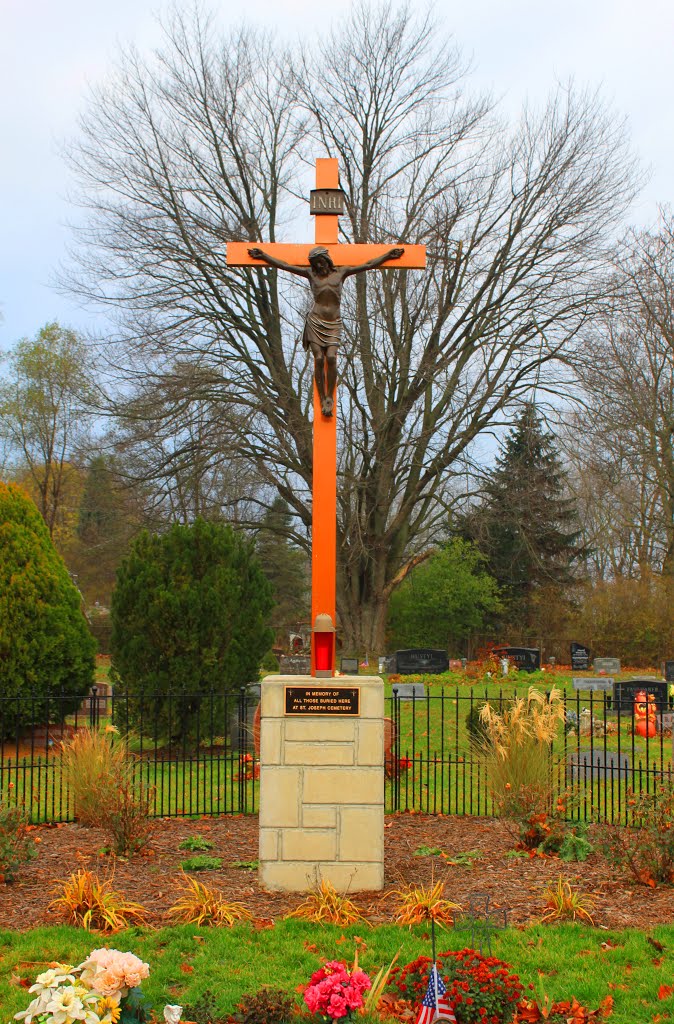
(644, 714)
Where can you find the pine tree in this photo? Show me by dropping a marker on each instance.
(46, 649)
(525, 526)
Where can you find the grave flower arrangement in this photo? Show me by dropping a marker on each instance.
(104, 989)
(481, 989)
(334, 992)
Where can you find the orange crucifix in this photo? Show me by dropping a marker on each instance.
(325, 265)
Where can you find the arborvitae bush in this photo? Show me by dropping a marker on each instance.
(190, 622)
(46, 649)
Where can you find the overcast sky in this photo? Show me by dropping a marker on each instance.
(51, 49)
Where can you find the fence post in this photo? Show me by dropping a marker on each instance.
(93, 707)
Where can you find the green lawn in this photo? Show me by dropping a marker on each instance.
(567, 960)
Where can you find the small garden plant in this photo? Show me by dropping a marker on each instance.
(415, 904)
(201, 905)
(562, 903)
(325, 905)
(89, 902)
(202, 862)
(195, 844)
(647, 850)
(16, 846)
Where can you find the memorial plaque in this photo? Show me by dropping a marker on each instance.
(349, 665)
(625, 691)
(528, 659)
(580, 657)
(611, 666)
(418, 660)
(322, 700)
(590, 683)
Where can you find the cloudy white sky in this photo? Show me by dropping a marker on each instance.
(51, 49)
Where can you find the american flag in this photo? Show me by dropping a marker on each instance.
(428, 1012)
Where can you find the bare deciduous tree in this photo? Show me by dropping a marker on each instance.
(625, 465)
(212, 139)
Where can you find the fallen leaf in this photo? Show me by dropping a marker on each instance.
(665, 991)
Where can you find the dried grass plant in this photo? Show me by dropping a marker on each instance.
(101, 776)
(415, 904)
(201, 905)
(89, 902)
(517, 750)
(326, 906)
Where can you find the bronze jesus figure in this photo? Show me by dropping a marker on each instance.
(323, 326)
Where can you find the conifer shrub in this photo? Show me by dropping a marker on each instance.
(46, 649)
(190, 623)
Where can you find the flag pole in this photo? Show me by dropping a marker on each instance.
(435, 967)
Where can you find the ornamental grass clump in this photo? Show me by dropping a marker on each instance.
(201, 905)
(87, 901)
(563, 904)
(414, 904)
(517, 752)
(326, 906)
(102, 779)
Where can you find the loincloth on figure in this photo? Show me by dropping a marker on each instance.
(323, 333)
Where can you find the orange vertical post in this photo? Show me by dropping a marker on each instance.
(324, 507)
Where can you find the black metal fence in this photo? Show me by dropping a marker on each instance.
(435, 762)
(198, 753)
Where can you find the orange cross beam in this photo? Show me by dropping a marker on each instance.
(324, 491)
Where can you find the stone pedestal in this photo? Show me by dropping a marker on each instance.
(322, 789)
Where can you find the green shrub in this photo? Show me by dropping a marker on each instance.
(270, 662)
(202, 863)
(268, 1006)
(195, 843)
(648, 848)
(190, 617)
(45, 645)
(16, 847)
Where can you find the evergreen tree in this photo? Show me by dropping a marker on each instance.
(287, 569)
(190, 617)
(525, 526)
(46, 649)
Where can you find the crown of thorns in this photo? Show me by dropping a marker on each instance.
(319, 250)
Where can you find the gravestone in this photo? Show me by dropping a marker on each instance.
(349, 666)
(625, 691)
(590, 683)
(668, 671)
(418, 660)
(580, 657)
(407, 691)
(597, 765)
(527, 659)
(295, 665)
(611, 666)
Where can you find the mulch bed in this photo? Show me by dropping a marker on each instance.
(514, 883)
